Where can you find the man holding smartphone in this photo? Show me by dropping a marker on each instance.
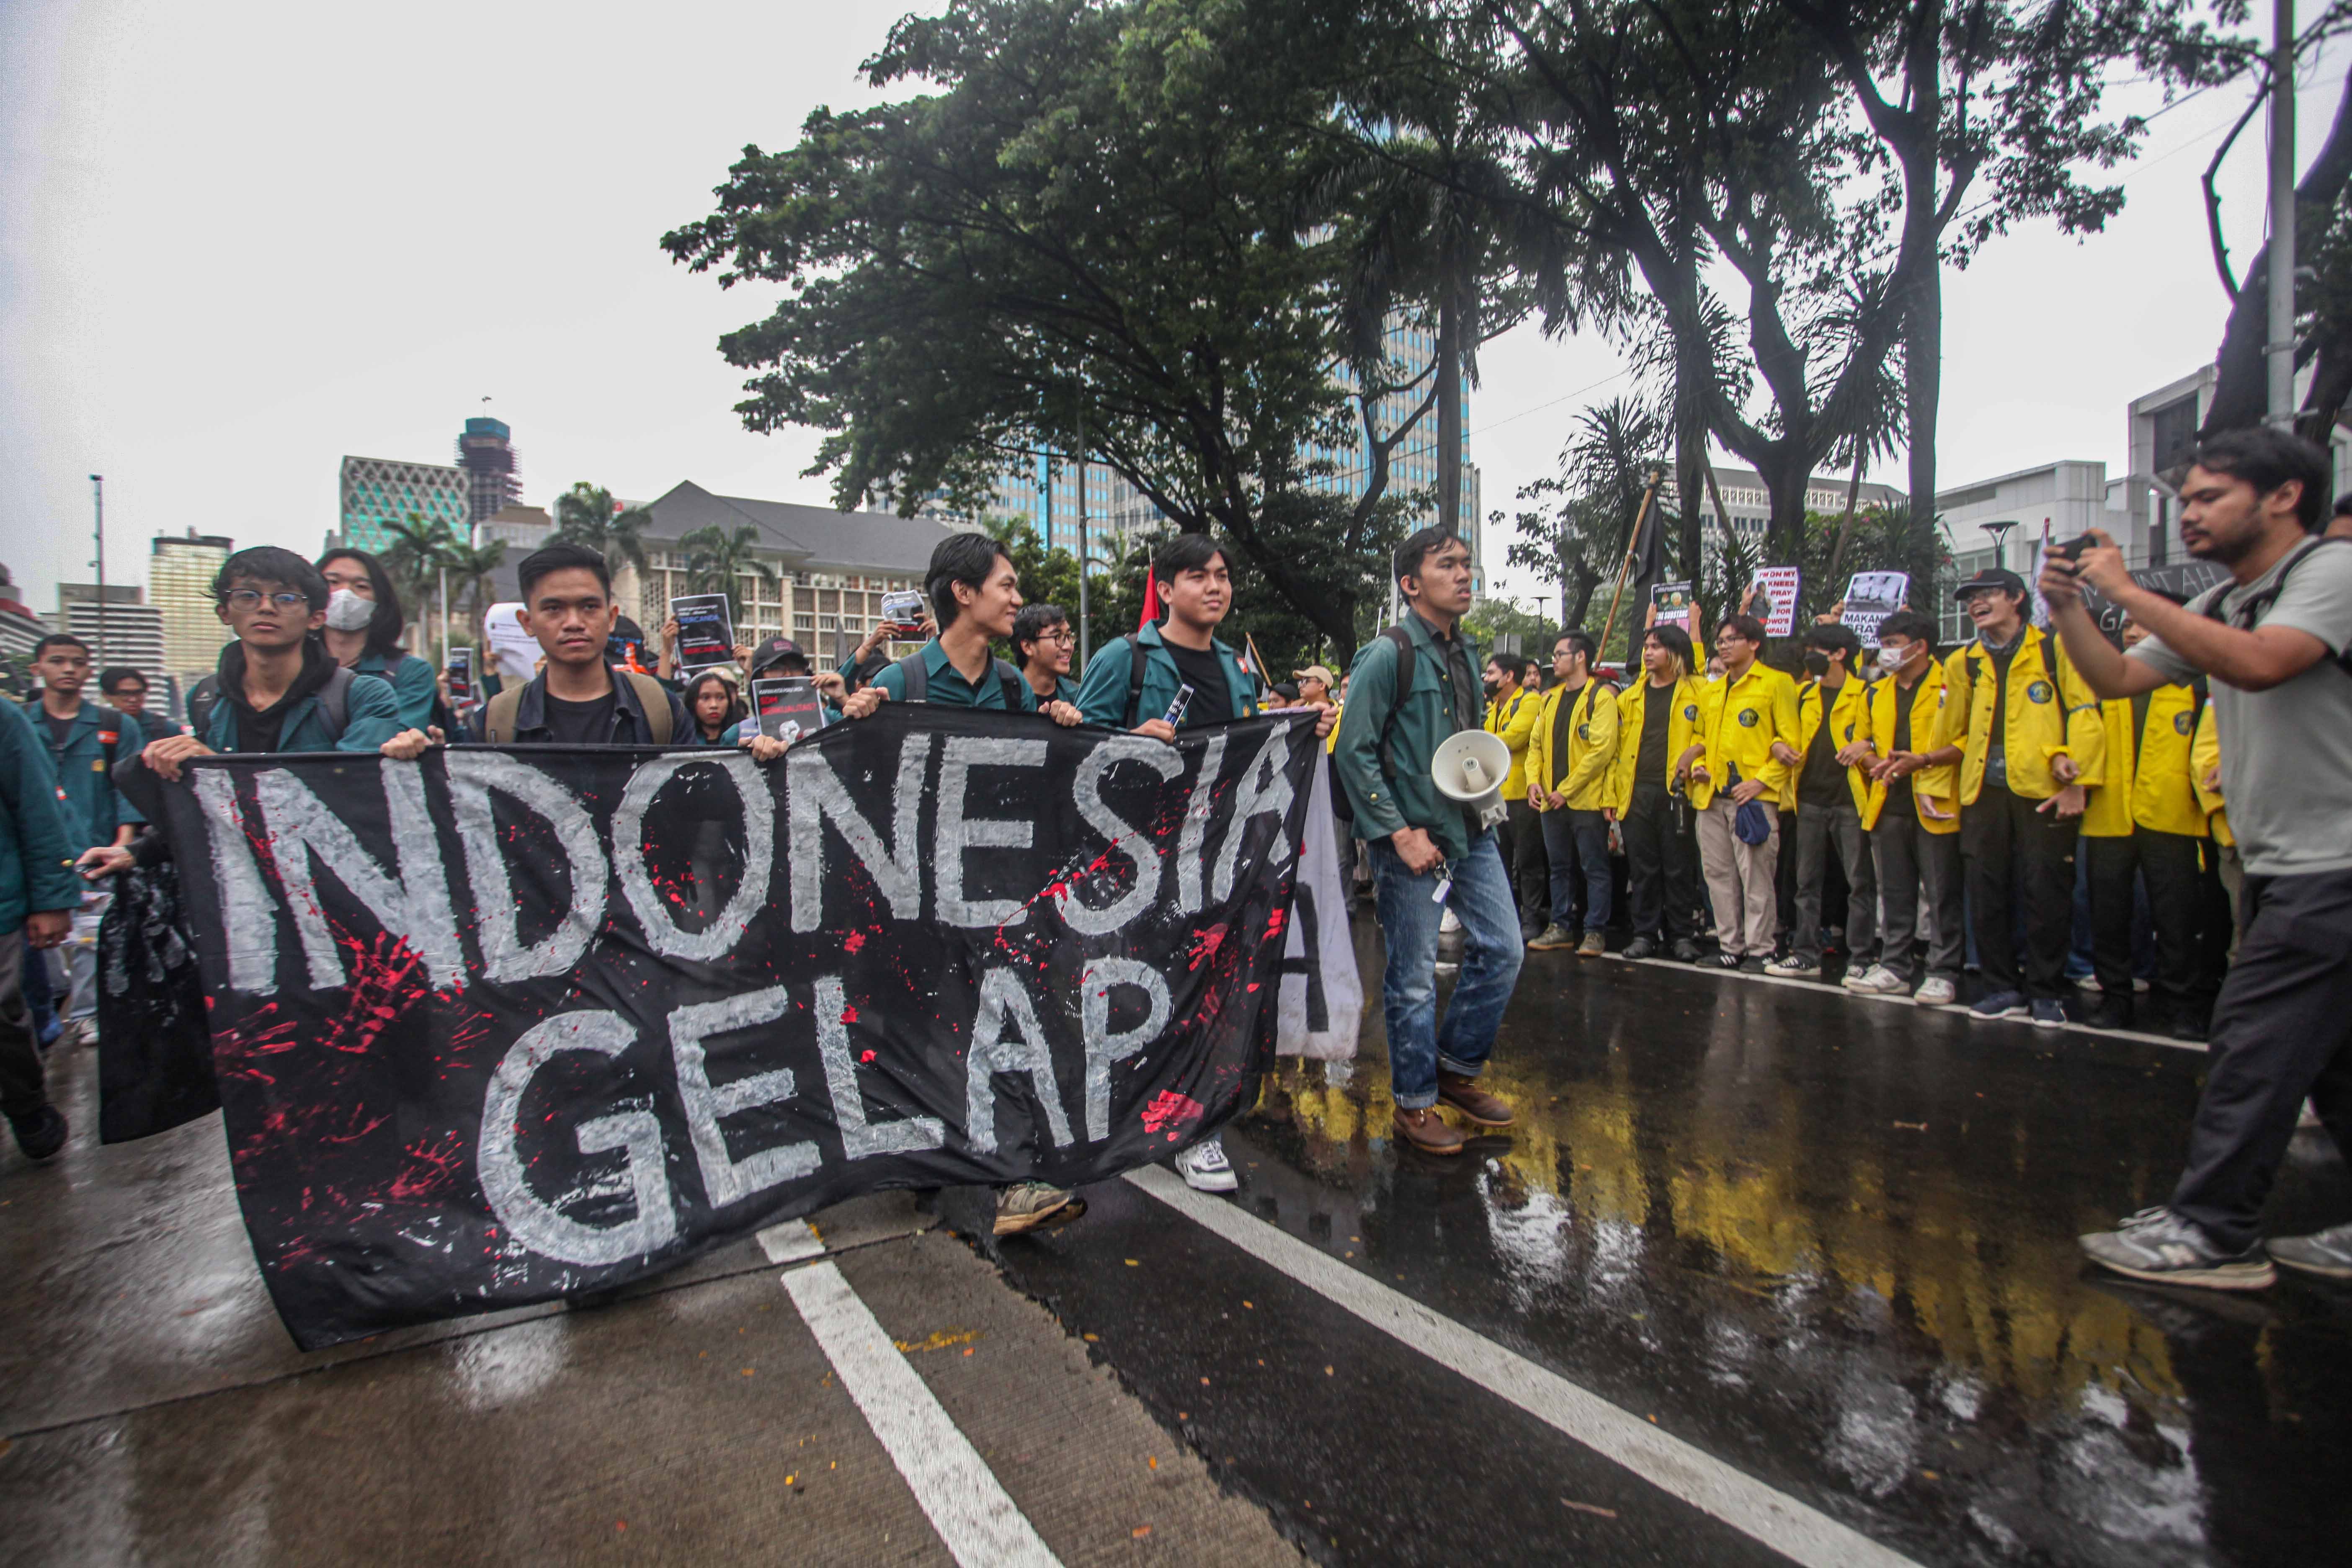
(2273, 640)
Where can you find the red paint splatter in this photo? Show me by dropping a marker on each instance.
(1170, 1112)
(866, 1056)
(849, 1015)
(1206, 943)
(855, 940)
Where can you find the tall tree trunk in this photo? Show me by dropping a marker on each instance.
(1845, 524)
(1449, 418)
(1922, 382)
(1692, 374)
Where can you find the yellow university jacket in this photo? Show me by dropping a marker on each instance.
(1846, 716)
(2204, 757)
(1740, 720)
(2043, 717)
(1583, 775)
(1934, 784)
(2149, 785)
(1632, 704)
(1514, 719)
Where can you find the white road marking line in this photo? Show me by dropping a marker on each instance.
(1817, 987)
(1789, 1527)
(976, 1518)
(791, 1241)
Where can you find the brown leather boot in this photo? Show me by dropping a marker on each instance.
(1428, 1131)
(1464, 1096)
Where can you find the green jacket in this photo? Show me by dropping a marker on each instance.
(36, 853)
(1102, 696)
(1395, 792)
(99, 736)
(413, 687)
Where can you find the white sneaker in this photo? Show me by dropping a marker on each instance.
(1205, 1168)
(1876, 981)
(1933, 993)
(1793, 968)
(1451, 922)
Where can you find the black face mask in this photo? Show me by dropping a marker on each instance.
(1816, 662)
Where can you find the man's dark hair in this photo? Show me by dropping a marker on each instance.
(965, 558)
(58, 639)
(390, 622)
(1909, 624)
(1748, 627)
(1418, 547)
(1030, 624)
(2267, 458)
(2344, 504)
(1187, 552)
(563, 555)
(112, 678)
(1675, 641)
(1511, 664)
(1830, 634)
(1582, 642)
(267, 564)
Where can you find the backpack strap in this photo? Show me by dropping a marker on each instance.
(1009, 682)
(498, 717)
(1134, 678)
(654, 697)
(335, 702)
(203, 698)
(917, 679)
(2252, 609)
(1402, 641)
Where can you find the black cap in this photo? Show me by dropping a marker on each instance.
(774, 650)
(1992, 577)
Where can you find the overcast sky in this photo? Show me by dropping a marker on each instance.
(240, 240)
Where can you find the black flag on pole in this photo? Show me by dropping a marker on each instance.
(507, 1023)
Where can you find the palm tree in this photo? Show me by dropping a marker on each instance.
(716, 561)
(587, 514)
(471, 567)
(416, 554)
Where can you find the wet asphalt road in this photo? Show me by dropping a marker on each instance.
(1827, 1242)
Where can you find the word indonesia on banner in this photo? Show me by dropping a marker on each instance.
(509, 1024)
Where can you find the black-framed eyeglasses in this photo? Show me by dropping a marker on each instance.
(249, 599)
(1063, 639)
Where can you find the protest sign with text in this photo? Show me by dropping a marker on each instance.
(512, 1023)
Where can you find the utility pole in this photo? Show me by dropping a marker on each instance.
(1086, 632)
(2280, 346)
(98, 500)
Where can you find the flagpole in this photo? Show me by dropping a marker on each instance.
(1657, 475)
(1257, 664)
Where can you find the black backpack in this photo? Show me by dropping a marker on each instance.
(918, 678)
(2250, 612)
(334, 703)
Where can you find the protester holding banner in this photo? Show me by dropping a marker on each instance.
(1831, 709)
(1656, 718)
(1043, 644)
(38, 895)
(1512, 709)
(579, 698)
(1134, 682)
(364, 629)
(975, 594)
(1913, 818)
(2144, 828)
(1413, 687)
(2033, 742)
(2272, 641)
(1568, 766)
(1743, 754)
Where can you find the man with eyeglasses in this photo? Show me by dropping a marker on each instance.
(1042, 642)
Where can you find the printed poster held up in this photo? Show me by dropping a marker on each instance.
(1870, 598)
(1776, 603)
(706, 632)
(1675, 606)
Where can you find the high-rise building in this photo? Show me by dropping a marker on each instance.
(179, 572)
(379, 491)
(119, 628)
(20, 628)
(486, 451)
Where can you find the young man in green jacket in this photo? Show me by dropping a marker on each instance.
(1403, 702)
(1182, 650)
(39, 894)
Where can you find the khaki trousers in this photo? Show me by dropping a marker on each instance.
(1740, 880)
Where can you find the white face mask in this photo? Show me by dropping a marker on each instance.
(347, 611)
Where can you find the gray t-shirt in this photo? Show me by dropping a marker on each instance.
(2286, 754)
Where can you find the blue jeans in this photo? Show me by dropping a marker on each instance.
(1578, 841)
(1482, 900)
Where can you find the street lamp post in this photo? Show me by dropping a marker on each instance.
(97, 500)
(2280, 345)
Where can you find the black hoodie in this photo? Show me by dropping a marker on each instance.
(258, 728)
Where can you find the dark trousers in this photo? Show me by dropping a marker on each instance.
(1918, 877)
(21, 1089)
(1659, 882)
(2167, 863)
(1576, 845)
(1819, 829)
(2008, 843)
(2281, 1031)
(1520, 839)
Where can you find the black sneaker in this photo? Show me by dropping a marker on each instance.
(2190, 1027)
(1685, 951)
(2158, 1244)
(2111, 1011)
(1752, 964)
(41, 1134)
(1724, 961)
(2327, 1253)
(1642, 947)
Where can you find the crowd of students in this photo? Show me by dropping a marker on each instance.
(1927, 813)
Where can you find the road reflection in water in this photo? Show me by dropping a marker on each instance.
(1833, 1243)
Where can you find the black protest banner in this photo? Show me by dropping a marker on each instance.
(507, 1023)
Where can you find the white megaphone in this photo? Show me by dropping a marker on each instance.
(1469, 768)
